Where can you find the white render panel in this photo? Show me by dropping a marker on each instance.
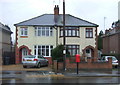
(32, 40)
(82, 40)
(35, 40)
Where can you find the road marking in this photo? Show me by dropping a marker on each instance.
(45, 76)
(10, 79)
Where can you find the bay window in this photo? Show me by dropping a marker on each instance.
(70, 32)
(44, 50)
(73, 49)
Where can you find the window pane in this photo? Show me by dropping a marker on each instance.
(87, 34)
(47, 50)
(74, 51)
(47, 31)
(66, 33)
(43, 31)
(43, 50)
(25, 32)
(87, 50)
(22, 32)
(90, 34)
(38, 32)
(51, 47)
(69, 32)
(39, 47)
(39, 51)
(61, 34)
(43, 47)
(73, 33)
(34, 51)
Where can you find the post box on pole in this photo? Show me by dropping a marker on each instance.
(77, 57)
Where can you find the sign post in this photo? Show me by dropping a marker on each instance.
(77, 56)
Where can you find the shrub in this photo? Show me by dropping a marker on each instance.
(57, 53)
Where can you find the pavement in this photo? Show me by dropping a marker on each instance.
(19, 67)
(95, 74)
(88, 73)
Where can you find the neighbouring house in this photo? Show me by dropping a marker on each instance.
(111, 39)
(5, 43)
(39, 35)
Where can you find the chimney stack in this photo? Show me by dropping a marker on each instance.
(56, 13)
(56, 10)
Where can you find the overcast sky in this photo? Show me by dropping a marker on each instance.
(14, 11)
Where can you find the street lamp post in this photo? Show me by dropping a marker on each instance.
(64, 39)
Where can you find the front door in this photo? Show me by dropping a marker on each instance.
(88, 52)
(24, 52)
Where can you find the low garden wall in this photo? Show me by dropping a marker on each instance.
(84, 65)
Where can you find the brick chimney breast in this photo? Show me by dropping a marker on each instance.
(56, 10)
(56, 13)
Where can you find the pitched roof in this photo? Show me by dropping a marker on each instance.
(48, 20)
(5, 28)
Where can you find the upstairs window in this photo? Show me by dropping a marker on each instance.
(70, 32)
(23, 31)
(43, 31)
(89, 32)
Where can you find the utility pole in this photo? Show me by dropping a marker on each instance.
(64, 38)
(104, 22)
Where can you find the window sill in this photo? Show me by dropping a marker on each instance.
(71, 36)
(23, 36)
(89, 37)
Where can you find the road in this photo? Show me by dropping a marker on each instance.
(51, 77)
(18, 74)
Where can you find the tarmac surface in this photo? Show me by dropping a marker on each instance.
(18, 74)
(88, 73)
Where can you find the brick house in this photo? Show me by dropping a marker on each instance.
(111, 39)
(39, 35)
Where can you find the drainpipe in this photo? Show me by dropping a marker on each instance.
(56, 28)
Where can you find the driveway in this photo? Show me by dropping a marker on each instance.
(19, 67)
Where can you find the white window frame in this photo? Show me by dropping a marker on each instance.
(39, 31)
(45, 53)
(23, 31)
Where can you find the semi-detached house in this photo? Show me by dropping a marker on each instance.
(39, 35)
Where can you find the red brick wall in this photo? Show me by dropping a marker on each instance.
(87, 65)
(49, 59)
(111, 44)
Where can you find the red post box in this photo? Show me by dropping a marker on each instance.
(77, 56)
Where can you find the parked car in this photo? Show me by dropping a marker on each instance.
(114, 60)
(36, 61)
